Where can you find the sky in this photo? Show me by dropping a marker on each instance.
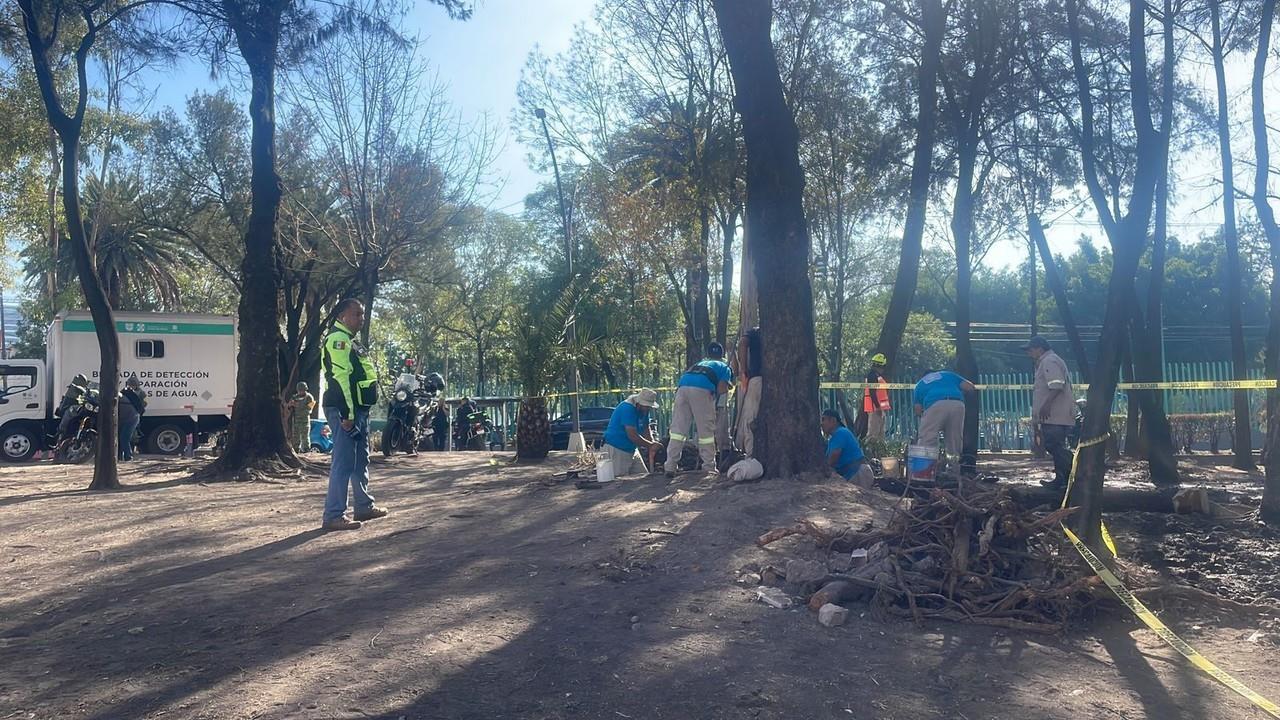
(478, 59)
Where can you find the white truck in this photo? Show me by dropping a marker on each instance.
(185, 362)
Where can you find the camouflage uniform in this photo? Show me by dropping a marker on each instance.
(300, 417)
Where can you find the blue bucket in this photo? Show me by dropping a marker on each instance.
(921, 462)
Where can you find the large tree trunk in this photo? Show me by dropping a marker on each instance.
(1059, 290)
(1267, 217)
(934, 19)
(1242, 443)
(1129, 236)
(256, 439)
(786, 442)
(1154, 433)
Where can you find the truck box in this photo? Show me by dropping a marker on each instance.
(185, 362)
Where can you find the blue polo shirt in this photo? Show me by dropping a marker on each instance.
(850, 452)
(942, 385)
(698, 380)
(624, 416)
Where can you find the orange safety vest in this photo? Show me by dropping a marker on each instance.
(882, 395)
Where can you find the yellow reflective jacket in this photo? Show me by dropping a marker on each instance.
(350, 381)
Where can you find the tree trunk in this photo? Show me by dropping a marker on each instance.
(727, 231)
(1129, 236)
(256, 438)
(1155, 435)
(1059, 290)
(479, 368)
(1033, 290)
(105, 476)
(934, 20)
(962, 232)
(68, 128)
(55, 177)
(1267, 218)
(786, 442)
(1242, 443)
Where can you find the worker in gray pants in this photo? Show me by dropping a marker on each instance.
(695, 405)
(939, 403)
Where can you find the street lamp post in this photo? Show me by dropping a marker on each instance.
(568, 248)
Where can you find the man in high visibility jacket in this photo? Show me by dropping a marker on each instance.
(875, 401)
(350, 390)
(695, 404)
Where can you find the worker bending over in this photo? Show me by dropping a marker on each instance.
(695, 405)
(939, 403)
(628, 433)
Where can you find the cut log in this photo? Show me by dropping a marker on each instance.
(1113, 499)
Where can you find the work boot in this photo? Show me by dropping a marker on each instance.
(373, 513)
(1054, 484)
(342, 523)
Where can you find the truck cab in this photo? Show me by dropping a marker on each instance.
(24, 408)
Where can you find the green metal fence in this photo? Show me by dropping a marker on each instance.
(1200, 417)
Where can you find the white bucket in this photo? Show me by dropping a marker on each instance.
(604, 469)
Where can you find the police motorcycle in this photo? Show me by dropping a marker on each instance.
(408, 428)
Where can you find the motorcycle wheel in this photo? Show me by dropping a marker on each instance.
(391, 437)
(81, 448)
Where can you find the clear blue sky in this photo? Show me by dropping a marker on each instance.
(480, 60)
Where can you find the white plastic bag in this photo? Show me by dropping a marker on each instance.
(746, 469)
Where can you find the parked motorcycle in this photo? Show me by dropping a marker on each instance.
(81, 438)
(474, 433)
(406, 416)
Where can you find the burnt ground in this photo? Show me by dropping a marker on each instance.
(490, 594)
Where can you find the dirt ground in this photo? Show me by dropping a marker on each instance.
(489, 594)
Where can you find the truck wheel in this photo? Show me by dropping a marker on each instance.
(18, 443)
(166, 440)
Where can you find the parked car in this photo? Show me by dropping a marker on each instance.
(593, 421)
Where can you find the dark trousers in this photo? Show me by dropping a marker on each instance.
(1055, 443)
(440, 437)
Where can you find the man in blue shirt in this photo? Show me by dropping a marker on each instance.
(695, 404)
(844, 454)
(628, 431)
(939, 403)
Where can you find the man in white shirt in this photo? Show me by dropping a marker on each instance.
(1053, 407)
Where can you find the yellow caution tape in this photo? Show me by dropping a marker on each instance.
(1201, 385)
(1146, 616)
(1151, 621)
(1071, 481)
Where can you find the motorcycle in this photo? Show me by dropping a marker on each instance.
(406, 416)
(82, 433)
(474, 433)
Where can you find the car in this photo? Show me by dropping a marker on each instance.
(593, 421)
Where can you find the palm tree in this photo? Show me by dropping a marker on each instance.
(137, 262)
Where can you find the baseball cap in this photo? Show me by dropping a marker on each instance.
(1037, 341)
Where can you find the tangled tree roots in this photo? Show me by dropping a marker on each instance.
(278, 468)
(971, 554)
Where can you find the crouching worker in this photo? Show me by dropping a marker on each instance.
(628, 433)
(844, 454)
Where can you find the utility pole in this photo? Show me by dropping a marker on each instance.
(568, 248)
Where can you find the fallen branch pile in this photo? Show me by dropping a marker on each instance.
(969, 554)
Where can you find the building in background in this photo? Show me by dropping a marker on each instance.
(11, 318)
